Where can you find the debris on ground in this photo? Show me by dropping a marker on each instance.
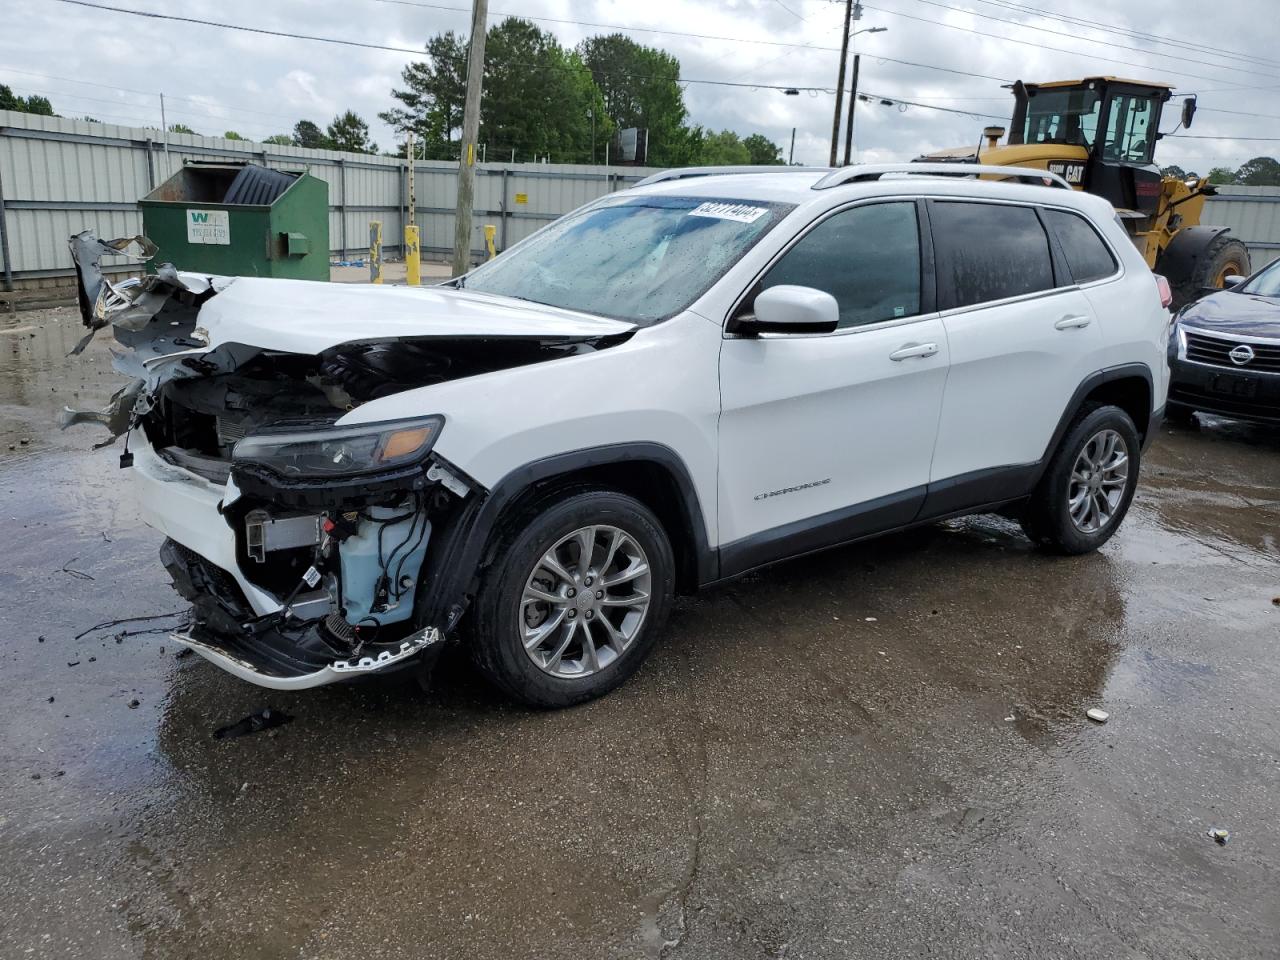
(1096, 715)
(73, 663)
(134, 704)
(183, 653)
(1220, 836)
(254, 723)
(115, 623)
(78, 574)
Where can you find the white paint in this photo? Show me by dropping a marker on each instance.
(209, 226)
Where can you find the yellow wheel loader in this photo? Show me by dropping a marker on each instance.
(1100, 134)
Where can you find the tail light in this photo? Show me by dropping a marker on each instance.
(1166, 293)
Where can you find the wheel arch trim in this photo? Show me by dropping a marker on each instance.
(459, 561)
(1123, 371)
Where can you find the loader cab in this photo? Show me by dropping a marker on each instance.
(1112, 123)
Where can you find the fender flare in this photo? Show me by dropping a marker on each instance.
(1182, 256)
(454, 566)
(1123, 371)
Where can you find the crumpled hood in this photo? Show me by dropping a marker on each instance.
(303, 316)
(1242, 314)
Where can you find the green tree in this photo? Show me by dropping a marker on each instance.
(1259, 172)
(280, 139)
(538, 96)
(1173, 170)
(307, 134)
(348, 132)
(32, 104)
(1222, 175)
(182, 128)
(431, 106)
(231, 135)
(762, 150)
(723, 149)
(640, 88)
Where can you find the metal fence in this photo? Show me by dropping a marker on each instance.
(1253, 214)
(58, 177)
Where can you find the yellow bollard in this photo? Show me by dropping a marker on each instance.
(490, 231)
(412, 258)
(375, 251)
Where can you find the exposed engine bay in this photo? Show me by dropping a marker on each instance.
(325, 563)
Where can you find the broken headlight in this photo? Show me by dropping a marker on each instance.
(341, 451)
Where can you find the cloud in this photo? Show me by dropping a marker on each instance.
(261, 85)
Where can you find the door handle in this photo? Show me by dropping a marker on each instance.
(909, 350)
(1071, 322)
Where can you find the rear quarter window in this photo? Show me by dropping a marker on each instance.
(1087, 255)
(988, 251)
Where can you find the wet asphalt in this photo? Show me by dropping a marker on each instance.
(877, 752)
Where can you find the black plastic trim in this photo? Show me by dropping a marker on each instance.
(992, 485)
(1090, 383)
(459, 555)
(818, 533)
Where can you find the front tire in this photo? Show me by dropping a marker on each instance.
(1086, 490)
(581, 587)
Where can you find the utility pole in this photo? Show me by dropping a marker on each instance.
(844, 55)
(853, 102)
(470, 130)
(791, 158)
(164, 134)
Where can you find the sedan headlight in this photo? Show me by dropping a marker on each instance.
(341, 451)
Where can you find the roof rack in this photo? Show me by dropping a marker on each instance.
(874, 171)
(683, 173)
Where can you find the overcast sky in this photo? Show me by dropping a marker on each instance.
(217, 79)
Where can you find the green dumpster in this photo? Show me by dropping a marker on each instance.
(240, 219)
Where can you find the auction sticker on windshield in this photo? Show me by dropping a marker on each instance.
(208, 226)
(743, 213)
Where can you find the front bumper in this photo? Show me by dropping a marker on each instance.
(239, 662)
(271, 637)
(1224, 391)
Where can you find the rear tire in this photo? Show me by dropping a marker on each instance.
(1086, 490)
(553, 630)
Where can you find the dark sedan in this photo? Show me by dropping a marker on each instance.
(1224, 355)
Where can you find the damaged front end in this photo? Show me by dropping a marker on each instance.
(307, 546)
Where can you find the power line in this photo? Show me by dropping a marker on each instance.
(1106, 43)
(422, 54)
(1129, 32)
(1205, 136)
(896, 101)
(1026, 43)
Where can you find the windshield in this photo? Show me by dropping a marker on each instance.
(640, 259)
(1069, 116)
(1266, 283)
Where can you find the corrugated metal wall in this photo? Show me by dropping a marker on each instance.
(1253, 214)
(58, 177)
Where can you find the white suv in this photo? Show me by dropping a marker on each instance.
(666, 388)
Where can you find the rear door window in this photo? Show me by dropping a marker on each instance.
(1088, 258)
(988, 251)
(868, 258)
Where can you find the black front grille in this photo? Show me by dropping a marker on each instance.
(1216, 351)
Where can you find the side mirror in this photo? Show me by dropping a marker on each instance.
(1232, 280)
(791, 309)
(1188, 112)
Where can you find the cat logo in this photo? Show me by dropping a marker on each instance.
(1073, 173)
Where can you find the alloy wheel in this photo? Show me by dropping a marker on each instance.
(585, 601)
(1098, 481)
